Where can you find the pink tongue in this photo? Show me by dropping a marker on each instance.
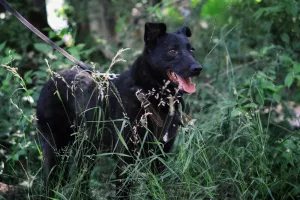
(187, 86)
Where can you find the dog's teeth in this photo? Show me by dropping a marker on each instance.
(174, 75)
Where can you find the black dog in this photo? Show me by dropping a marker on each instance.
(147, 97)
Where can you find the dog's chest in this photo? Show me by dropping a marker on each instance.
(160, 117)
(152, 114)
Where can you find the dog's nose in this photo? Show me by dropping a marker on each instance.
(196, 69)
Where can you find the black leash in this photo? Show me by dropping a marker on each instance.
(81, 64)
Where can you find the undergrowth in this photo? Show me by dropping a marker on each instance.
(240, 146)
(226, 153)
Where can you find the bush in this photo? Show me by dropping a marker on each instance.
(242, 144)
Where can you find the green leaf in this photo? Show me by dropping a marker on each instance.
(158, 13)
(260, 97)
(113, 154)
(289, 80)
(74, 52)
(27, 77)
(267, 11)
(292, 8)
(277, 97)
(119, 133)
(285, 37)
(52, 34)
(41, 47)
(296, 45)
(267, 49)
(255, 53)
(194, 3)
(16, 56)
(274, 9)
(63, 32)
(278, 88)
(258, 14)
(2, 45)
(285, 58)
(57, 63)
(250, 105)
(295, 10)
(268, 85)
(296, 67)
(6, 60)
(236, 112)
(80, 46)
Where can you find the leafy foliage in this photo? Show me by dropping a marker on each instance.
(242, 145)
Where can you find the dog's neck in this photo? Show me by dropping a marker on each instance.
(143, 76)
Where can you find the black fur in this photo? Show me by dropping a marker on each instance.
(72, 100)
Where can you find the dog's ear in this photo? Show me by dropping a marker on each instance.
(184, 30)
(154, 30)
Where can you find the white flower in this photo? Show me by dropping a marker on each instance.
(28, 99)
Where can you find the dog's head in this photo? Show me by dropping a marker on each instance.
(172, 55)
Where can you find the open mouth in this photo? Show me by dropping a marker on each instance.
(183, 83)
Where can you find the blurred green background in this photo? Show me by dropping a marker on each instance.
(245, 141)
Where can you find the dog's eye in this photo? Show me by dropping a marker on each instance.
(192, 50)
(172, 51)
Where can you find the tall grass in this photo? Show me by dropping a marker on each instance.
(221, 156)
(226, 153)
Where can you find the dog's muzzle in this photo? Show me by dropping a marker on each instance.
(195, 69)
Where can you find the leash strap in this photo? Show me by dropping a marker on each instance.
(81, 64)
